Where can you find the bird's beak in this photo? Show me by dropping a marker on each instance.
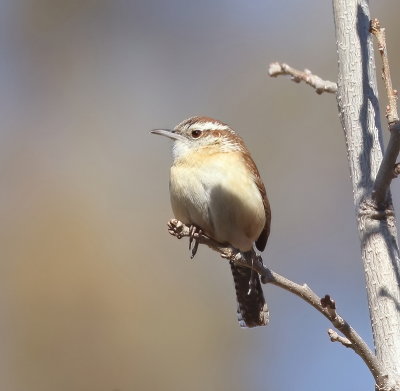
(168, 133)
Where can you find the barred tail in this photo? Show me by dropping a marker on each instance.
(252, 309)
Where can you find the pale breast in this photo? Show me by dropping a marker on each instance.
(189, 197)
(217, 193)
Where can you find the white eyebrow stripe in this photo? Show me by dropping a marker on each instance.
(209, 126)
(198, 123)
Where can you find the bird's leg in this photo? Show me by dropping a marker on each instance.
(194, 234)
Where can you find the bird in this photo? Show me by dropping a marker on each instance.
(215, 187)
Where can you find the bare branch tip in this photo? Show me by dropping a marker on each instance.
(335, 337)
(374, 26)
(274, 69)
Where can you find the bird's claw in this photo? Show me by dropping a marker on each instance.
(192, 231)
(194, 234)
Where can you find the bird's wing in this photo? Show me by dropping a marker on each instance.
(263, 238)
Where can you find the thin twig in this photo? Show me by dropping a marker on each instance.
(326, 306)
(386, 169)
(335, 337)
(379, 33)
(276, 69)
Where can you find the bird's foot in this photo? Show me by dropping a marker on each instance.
(175, 228)
(179, 230)
(194, 234)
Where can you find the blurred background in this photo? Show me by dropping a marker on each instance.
(94, 293)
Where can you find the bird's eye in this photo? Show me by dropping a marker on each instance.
(196, 133)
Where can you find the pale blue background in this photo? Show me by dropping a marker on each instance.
(94, 293)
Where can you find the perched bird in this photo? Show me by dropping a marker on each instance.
(215, 186)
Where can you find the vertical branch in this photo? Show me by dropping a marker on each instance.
(359, 113)
(379, 32)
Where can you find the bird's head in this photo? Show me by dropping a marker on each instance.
(204, 133)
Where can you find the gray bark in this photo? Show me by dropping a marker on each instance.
(360, 117)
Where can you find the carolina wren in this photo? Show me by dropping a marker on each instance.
(215, 186)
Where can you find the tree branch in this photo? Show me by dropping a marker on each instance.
(326, 306)
(387, 168)
(379, 33)
(335, 337)
(360, 117)
(276, 69)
